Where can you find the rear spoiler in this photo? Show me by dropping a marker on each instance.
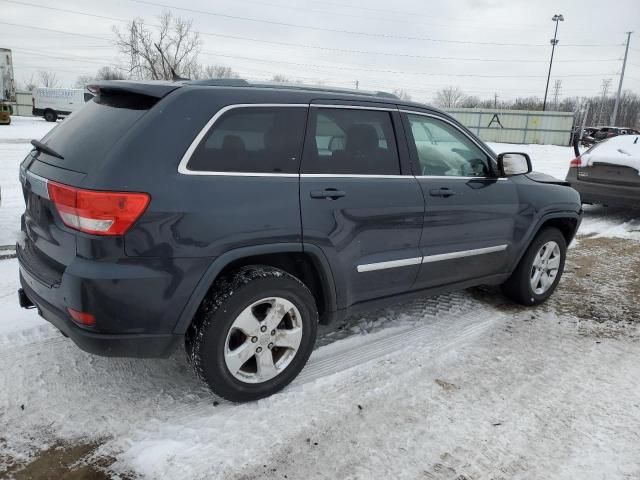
(156, 88)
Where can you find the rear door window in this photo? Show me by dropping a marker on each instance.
(253, 140)
(351, 141)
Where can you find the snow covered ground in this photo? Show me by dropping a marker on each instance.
(463, 385)
(14, 146)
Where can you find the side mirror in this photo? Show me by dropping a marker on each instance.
(513, 163)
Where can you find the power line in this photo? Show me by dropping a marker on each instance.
(249, 39)
(457, 59)
(350, 32)
(66, 10)
(427, 74)
(289, 7)
(84, 35)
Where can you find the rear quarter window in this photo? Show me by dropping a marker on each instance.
(252, 140)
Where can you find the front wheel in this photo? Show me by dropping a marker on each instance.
(50, 116)
(254, 334)
(539, 270)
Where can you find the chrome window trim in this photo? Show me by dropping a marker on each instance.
(352, 175)
(443, 119)
(182, 166)
(453, 177)
(354, 107)
(405, 262)
(463, 254)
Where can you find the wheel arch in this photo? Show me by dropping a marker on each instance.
(307, 263)
(567, 222)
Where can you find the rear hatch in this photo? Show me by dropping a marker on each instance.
(77, 146)
(613, 162)
(611, 174)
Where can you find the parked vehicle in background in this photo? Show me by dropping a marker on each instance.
(585, 135)
(54, 103)
(609, 132)
(5, 113)
(609, 172)
(234, 216)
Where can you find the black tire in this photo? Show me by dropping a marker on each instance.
(518, 285)
(206, 337)
(50, 116)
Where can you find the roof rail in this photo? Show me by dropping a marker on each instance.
(321, 88)
(238, 82)
(220, 82)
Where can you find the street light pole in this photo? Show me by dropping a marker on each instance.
(554, 41)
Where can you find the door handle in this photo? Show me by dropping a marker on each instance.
(441, 192)
(330, 193)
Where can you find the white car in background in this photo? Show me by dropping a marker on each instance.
(609, 172)
(54, 103)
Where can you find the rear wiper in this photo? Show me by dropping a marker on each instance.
(41, 147)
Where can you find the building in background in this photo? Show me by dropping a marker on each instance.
(7, 79)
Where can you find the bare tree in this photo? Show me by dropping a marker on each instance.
(29, 84)
(110, 73)
(48, 79)
(104, 73)
(402, 94)
(219, 71)
(84, 80)
(280, 78)
(450, 97)
(175, 36)
(471, 101)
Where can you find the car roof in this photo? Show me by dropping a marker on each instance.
(301, 92)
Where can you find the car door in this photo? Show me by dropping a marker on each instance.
(359, 201)
(470, 212)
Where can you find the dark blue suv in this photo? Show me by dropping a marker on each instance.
(233, 217)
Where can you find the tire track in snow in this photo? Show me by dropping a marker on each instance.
(438, 336)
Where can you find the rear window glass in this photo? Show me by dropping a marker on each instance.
(253, 140)
(85, 138)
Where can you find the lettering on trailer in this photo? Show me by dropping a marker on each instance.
(54, 93)
(496, 119)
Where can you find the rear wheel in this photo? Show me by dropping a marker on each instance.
(254, 334)
(50, 116)
(539, 271)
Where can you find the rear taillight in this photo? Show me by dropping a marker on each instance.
(575, 163)
(97, 212)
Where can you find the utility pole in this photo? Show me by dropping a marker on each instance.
(603, 99)
(554, 41)
(357, 84)
(624, 65)
(557, 87)
(495, 100)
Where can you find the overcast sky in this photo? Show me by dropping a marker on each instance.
(384, 45)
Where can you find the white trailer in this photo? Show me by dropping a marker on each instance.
(7, 79)
(54, 103)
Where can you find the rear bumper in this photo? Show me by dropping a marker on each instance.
(136, 302)
(110, 345)
(605, 194)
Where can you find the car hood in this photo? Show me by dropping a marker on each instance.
(544, 178)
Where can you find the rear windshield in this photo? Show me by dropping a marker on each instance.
(85, 137)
